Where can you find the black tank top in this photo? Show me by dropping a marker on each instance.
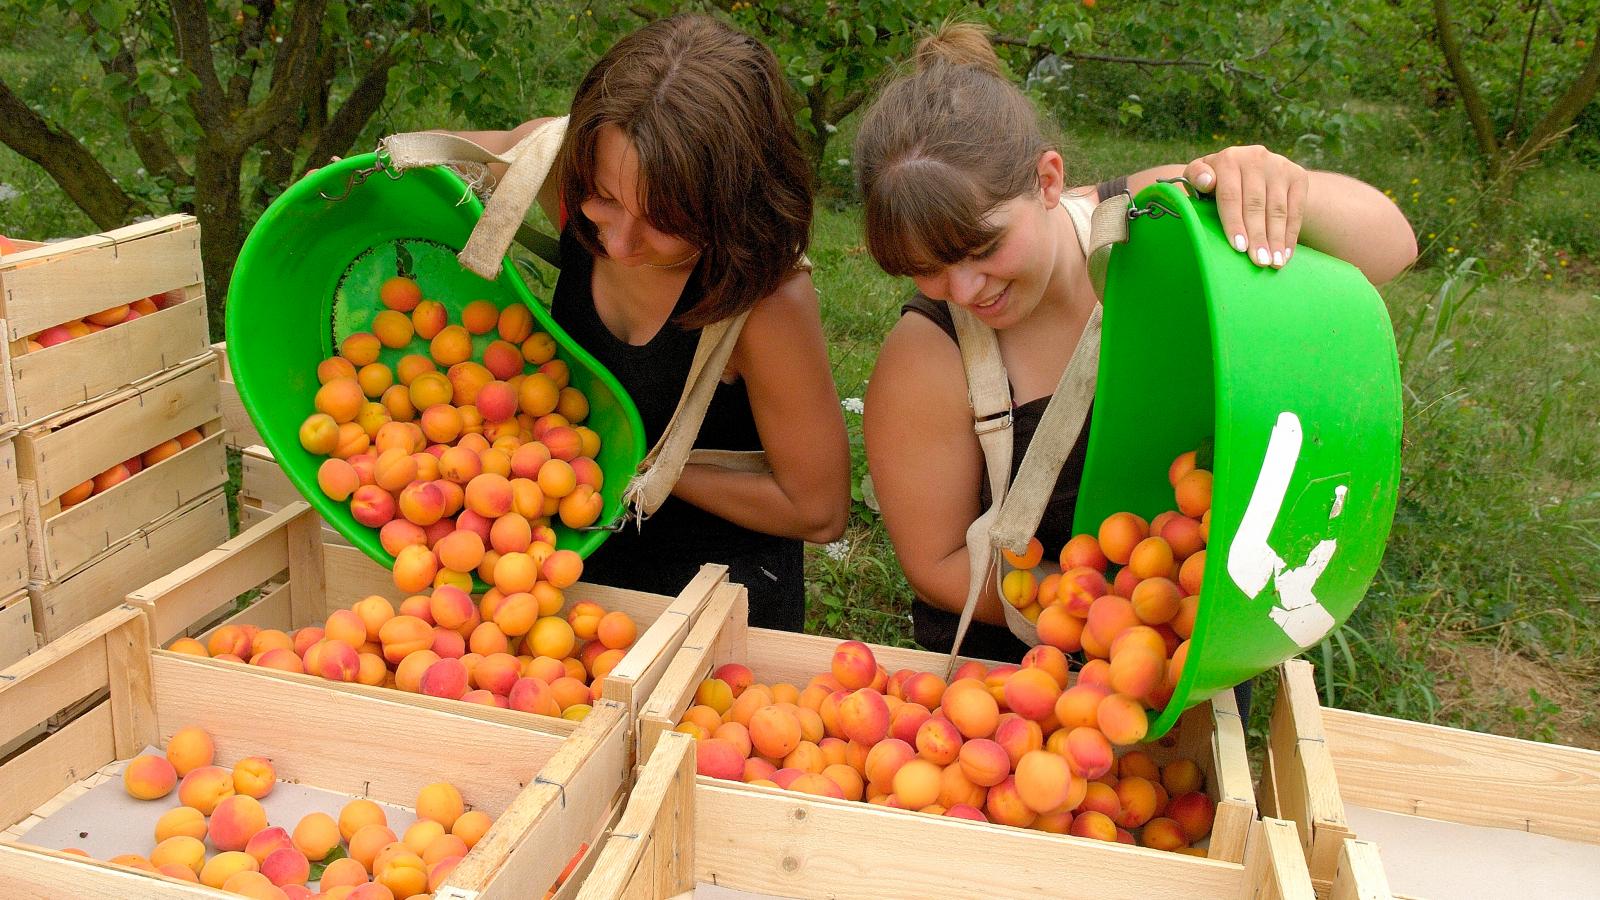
(668, 550)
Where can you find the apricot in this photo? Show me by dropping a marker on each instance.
(393, 328)
(184, 821)
(1122, 720)
(286, 866)
(1151, 557)
(1032, 693)
(396, 401)
(984, 762)
(429, 317)
(403, 635)
(1156, 600)
(180, 850)
(205, 787)
(446, 678)
(1019, 587)
(189, 749)
(1094, 825)
(337, 661)
(1089, 752)
(774, 732)
(975, 713)
(235, 820)
(254, 776)
(400, 293)
(1193, 492)
(319, 434)
(1017, 736)
(360, 348)
(440, 802)
(853, 665)
(552, 636)
(267, 840)
(1119, 534)
(907, 720)
(917, 783)
(1045, 782)
(343, 872)
(1192, 573)
(430, 389)
(220, 868)
(356, 815)
(864, 716)
(1109, 616)
(1060, 629)
(372, 506)
(719, 758)
(938, 741)
(1194, 812)
(1005, 806)
(368, 841)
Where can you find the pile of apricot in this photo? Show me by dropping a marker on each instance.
(128, 468)
(121, 314)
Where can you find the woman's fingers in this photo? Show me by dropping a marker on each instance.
(1200, 174)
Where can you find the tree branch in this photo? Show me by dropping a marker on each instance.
(67, 161)
(152, 147)
(299, 59)
(191, 31)
(1522, 72)
(250, 36)
(1568, 105)
(356, 111)
(1471, 99)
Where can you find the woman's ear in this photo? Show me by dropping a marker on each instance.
(1052, 178)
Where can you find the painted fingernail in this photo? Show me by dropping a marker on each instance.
(1288, 254)
(1262, 257)
(1239, 243)
(1277, 258)
(1203, 179)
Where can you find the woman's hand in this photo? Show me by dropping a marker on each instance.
(1261, 197)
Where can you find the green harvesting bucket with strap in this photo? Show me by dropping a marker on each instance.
(308, 276)
(1293, 373)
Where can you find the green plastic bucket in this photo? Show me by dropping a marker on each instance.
(308, 276)
(1294, 373)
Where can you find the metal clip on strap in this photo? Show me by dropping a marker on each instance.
(996, 422)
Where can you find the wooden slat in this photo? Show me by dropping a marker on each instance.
(56, 378)
(71, 539)
(308, 581)
(10, 501)
(132, 700)
(270, 610)
(778, 842)
(58, 455)
(1360, 874)
(242, 431)
(17, 638)
(1275, 864)
(13, 554)
(352, 575)
(1230, 783)
(47, 286)
(1304, 786)
(32, 873)
(336, 735)
(528, 846)
(1461, 776)
(178, 538)
(57, 676)
(723, 619)
(186, 594)
(653, 842)
(39, 772)
(263, 480)
(641, 668)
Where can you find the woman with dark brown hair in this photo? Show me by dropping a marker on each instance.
(683, 199)
(967, 194)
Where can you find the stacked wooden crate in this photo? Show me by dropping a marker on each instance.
(102, 399)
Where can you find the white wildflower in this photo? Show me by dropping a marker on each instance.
(853, 404)
(837, 550)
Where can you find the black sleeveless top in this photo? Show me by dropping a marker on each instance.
(935, 628)
(663, 555)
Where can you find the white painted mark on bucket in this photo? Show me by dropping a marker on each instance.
(1252, 561)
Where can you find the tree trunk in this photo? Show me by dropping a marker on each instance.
(217, 207)
(68, 162)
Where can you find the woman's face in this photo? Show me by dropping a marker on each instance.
(617, 212)
(1002, 283)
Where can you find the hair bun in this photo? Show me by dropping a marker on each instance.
(958, 44)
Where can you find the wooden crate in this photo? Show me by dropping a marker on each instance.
(794, 845)
(13, 532)
(64, 451)
(241, 432)
(61, 282)
(264, 489)
(548, 792)
(304, 580)
(63, 604)
(679, 833)
(17, 638)
(1326, 766)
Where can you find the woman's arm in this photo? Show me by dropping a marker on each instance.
(1268, 204)
(783, 359)
(500, 142)
(927, 467)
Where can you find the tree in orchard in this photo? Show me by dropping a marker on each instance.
(226, 103)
